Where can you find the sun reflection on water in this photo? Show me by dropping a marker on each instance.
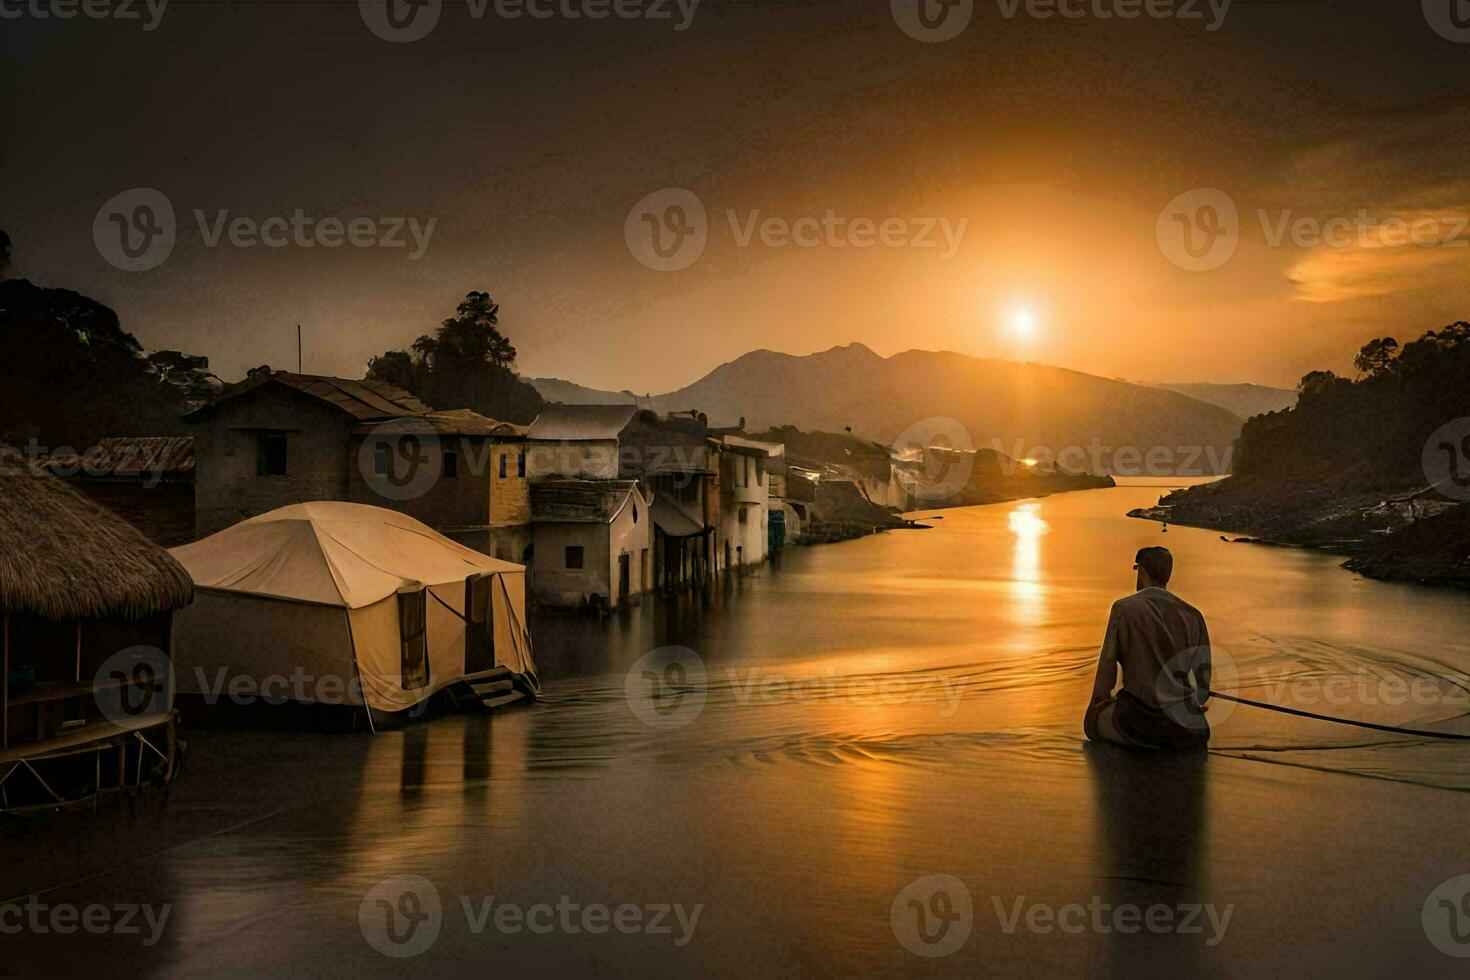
(1028, 592)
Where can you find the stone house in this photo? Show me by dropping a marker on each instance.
(287, 438)
(744, 492)
(671, 457)
(591, 543)
(577, 442)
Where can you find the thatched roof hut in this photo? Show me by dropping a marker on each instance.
(63, 557)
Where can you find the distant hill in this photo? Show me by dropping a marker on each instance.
(571, 393)
(1003, 405)
(1244, 400)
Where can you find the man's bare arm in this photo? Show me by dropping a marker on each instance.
(1107, 661)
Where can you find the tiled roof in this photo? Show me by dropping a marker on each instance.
(573, 423)
(363, 400)
(579, 501)
(459, 422)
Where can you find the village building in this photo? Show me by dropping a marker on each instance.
(510, 495)
(744, 492)
(86, 615)
(591, 543)
(671, 457)
(148, 481)
(577, 442)
(447, 469)
(286, 439)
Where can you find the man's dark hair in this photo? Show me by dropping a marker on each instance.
(1157, 562)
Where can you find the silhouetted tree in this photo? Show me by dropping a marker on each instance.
(1376, 356)
(188, 374)
(467, 363)
(1370, 432)
(4, 253)
(73, 375)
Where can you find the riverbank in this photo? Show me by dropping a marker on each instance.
(1395, 534)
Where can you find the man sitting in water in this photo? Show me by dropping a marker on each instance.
(1163, 646)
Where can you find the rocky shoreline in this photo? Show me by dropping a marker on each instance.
(1392, 533)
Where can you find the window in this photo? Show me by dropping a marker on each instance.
(745, 515)
(380, 460)
(635, 513)
(270, 454)
(414, 659)
(503, 457)
(574, 556)
(451, 465)
(521, 463)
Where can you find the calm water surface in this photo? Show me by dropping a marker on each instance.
(870, 713)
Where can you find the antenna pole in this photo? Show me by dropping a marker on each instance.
(298, 348)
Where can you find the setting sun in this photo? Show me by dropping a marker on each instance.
(1022, 322)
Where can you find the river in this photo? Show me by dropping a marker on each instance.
(838, 728)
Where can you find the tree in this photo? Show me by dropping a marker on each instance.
(470, 338)
(1376, 356)
(1314, 384)
(188, 374)
(467, 363)
(74, 375)
(4, 253)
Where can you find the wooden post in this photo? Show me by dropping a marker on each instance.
(79, 651)
(5, 684)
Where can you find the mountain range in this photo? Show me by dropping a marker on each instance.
(1021, 409)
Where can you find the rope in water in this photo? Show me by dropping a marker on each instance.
(1341, 721)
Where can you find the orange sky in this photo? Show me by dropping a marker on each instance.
(1056, 145)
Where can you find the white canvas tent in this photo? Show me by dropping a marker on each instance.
(342, 603)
